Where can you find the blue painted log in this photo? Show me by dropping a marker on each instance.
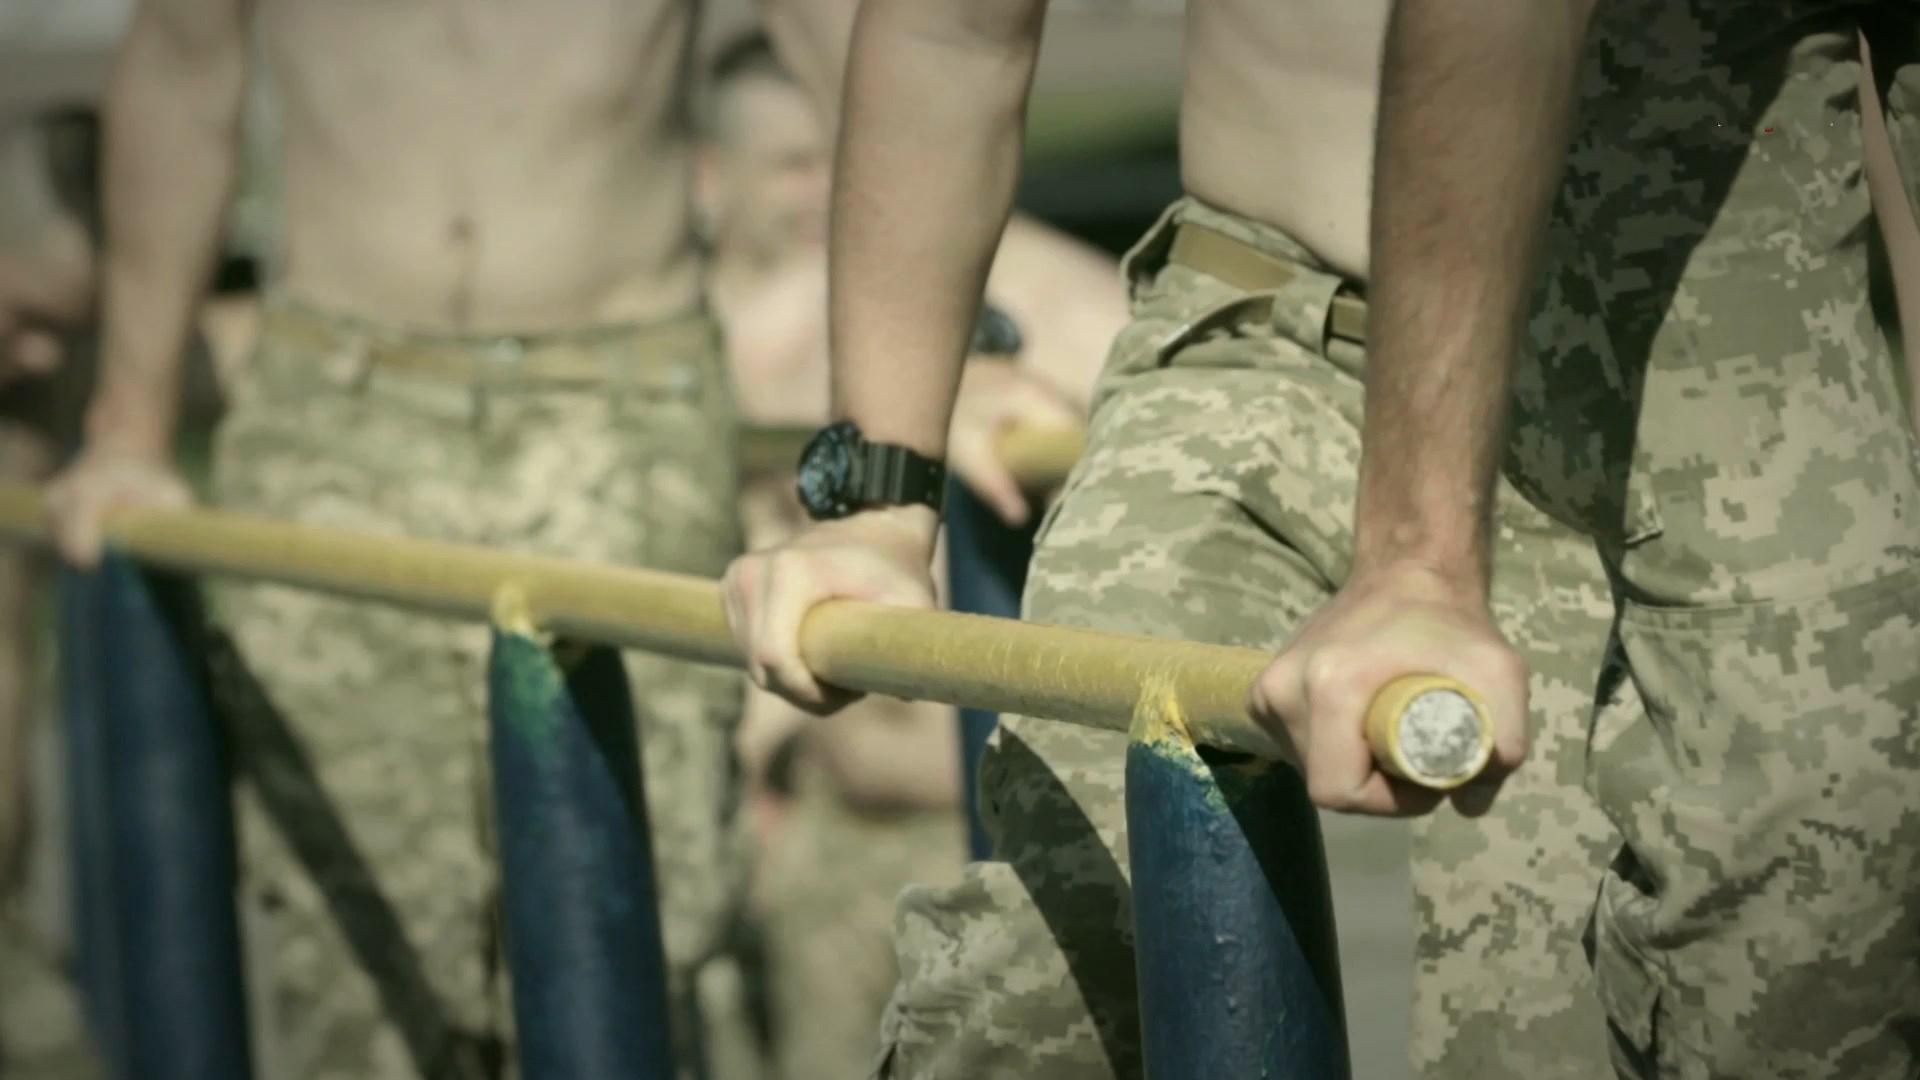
(153, 830)
(578, 888)
(1233, 917)
(90, 837)
(986, 574)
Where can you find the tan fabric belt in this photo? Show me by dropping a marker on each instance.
(588, 357)
(1244, 266)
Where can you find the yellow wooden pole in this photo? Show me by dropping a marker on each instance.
(1081, 676)
(1001, 664)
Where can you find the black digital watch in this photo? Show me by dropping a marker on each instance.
(841, 474)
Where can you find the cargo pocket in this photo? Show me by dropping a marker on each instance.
(1626, 978)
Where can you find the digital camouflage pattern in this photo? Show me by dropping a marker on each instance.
(1214, 503)
(1713, 399)
(829, 886)
(358, 730)
(829, 872)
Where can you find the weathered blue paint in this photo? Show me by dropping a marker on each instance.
(577, 873)
(986, 573)
(153, 830)
(1233, 919)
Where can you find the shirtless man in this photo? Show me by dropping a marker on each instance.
(486, 326)
(873, 791)
(53, 59)
(1211, 505)
(1712, 398)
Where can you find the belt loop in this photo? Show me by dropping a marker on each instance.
(1149, 253)
(1261, 306)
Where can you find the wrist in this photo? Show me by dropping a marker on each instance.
(1435, 526)
(915, 528)
(845, 471)
(1438, 573)
(128, 428)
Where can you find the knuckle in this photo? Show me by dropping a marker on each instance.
(762, 661)
(1328, 796)
(1267, 689)
(1498, 659)
(1327, 668)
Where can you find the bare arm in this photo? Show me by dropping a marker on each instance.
(172, 124)
(1476, 106)
(924, 184)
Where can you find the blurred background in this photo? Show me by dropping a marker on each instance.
(1102, 162)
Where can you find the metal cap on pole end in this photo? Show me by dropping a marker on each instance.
(1430, 730)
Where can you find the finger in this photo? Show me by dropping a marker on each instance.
(77, 534)
(173, 495)
(832, 699)
(1274, 700)
(1040, 406)
(1384, 796)
(1503, 685)
(1338, 761)
(789, 594)
(735, 584)
(994, 485)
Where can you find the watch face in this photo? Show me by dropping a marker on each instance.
(825, 480)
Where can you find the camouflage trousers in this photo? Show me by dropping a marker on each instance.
(1214, 503)
(827, 890)
(359, 730)
(1711, 396)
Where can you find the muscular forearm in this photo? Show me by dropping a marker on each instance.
(171, 131)
(1476, 104)
(926, 172)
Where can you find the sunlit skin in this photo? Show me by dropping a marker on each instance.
(448, 166)
(1276, 125)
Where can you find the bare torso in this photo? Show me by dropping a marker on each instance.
(496, 167)
(1277, 117)
(776, 326)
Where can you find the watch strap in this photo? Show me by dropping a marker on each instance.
(896, 476)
